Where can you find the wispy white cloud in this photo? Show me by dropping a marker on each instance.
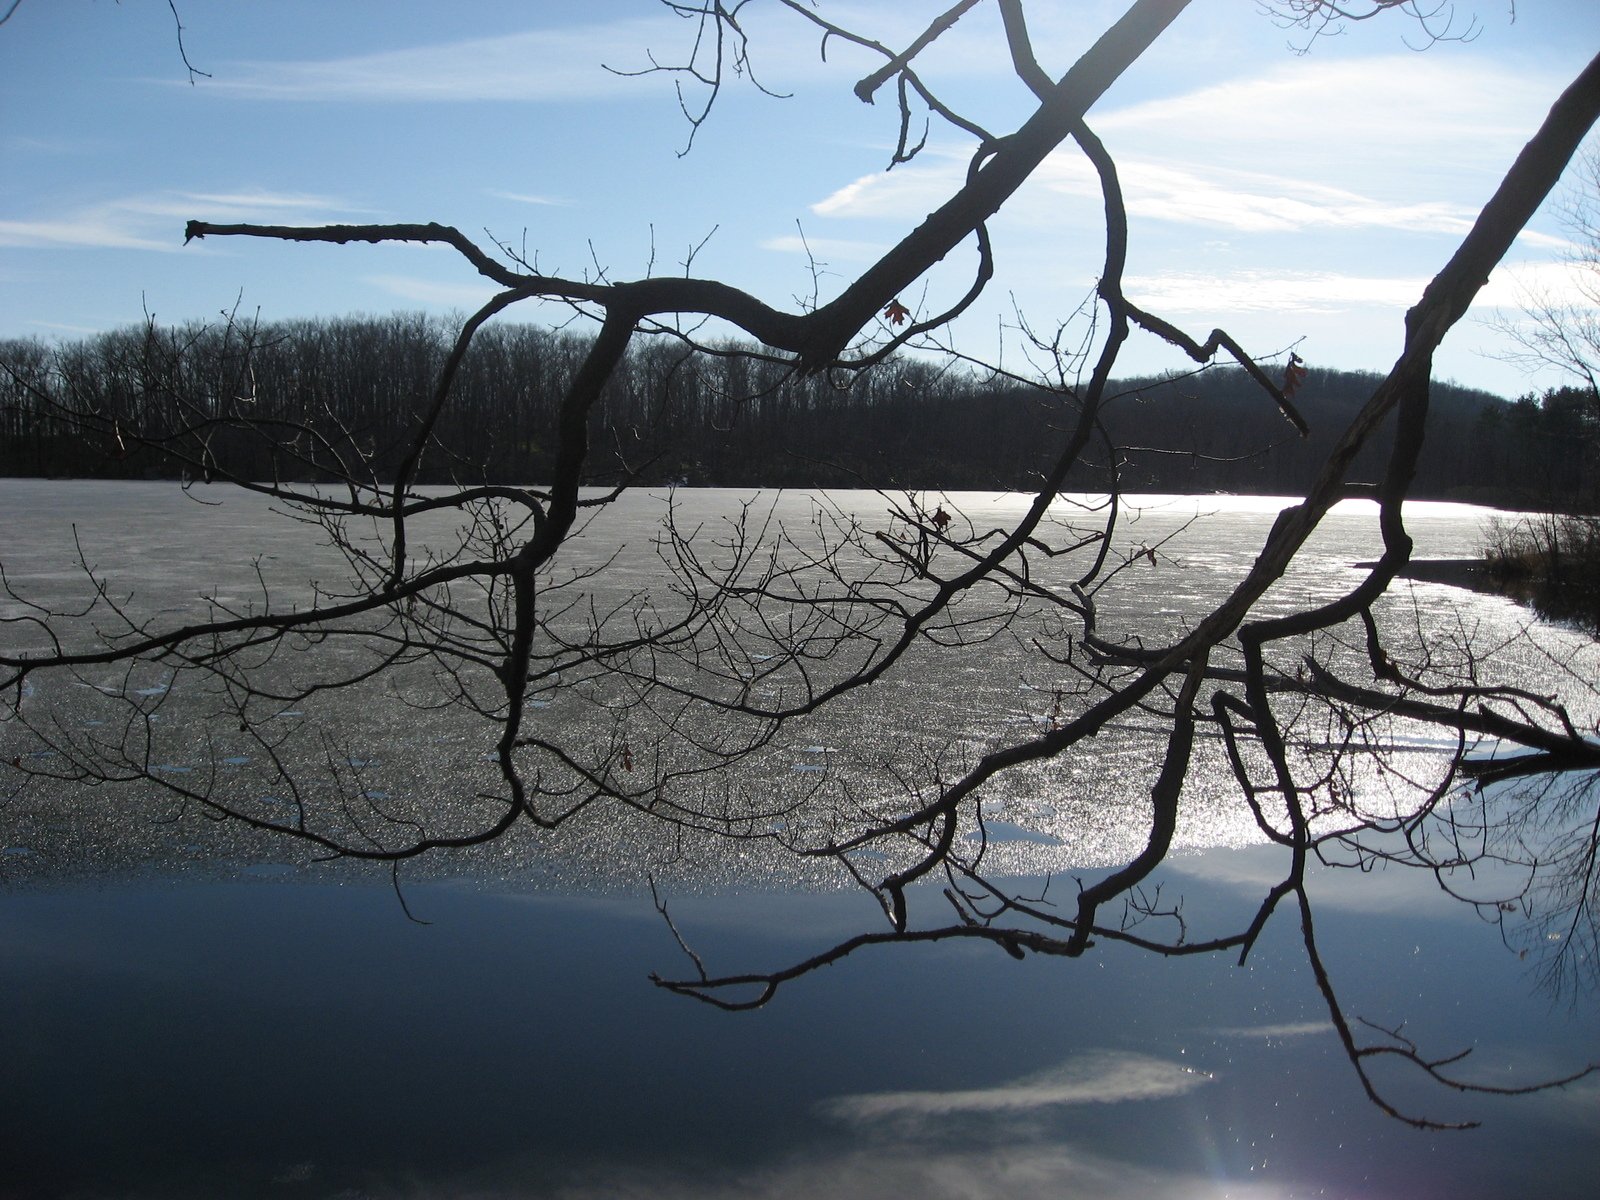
(531, 198)
(1545, 241)
(1254, 203)
(88, 229)
(432, 291)
(1106, 1078)
(910, 189)
(825, 249)
(1270, 291)
(1329, 293)
(258, 200)
(1312, 145)
(61, 328)
(538, 65)
(155, 221)
(898, 194)
(1558, 284)
(1441, 110)
(1169, 189)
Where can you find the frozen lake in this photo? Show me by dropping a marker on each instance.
(192, 1011)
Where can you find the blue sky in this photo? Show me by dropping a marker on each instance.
(1290, 198)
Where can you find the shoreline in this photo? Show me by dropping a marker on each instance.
(1470, 573)
(1576, 610)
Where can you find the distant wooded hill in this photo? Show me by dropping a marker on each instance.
(307, 398)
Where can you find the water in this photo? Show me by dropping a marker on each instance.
(190, 1011)
(268, 1040)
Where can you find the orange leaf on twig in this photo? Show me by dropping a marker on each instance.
(1294, 374)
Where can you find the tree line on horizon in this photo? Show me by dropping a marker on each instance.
(300, 399)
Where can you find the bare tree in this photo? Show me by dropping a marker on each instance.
(1558, 551)
(480, 603)
(1560, 328)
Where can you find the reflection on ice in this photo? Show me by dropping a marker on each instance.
(1576, 1107)
(1275, 1033)
(988, 1172)
(1105, 1077)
